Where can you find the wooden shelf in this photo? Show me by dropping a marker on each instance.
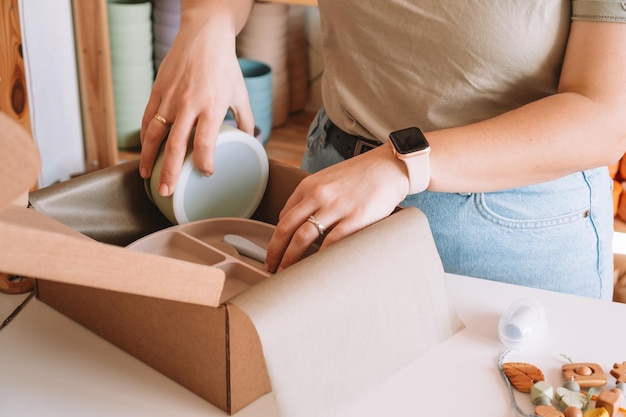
(287, 143)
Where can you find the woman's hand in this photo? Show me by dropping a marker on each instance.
(197, 82)
(344, 198)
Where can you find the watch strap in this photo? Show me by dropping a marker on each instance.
(418, 167)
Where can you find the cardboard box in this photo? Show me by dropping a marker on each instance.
(214, 352)
(382, 286)
(213, 347)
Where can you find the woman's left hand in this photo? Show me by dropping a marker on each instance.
(344, 198)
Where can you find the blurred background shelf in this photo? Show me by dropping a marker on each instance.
(96, 85)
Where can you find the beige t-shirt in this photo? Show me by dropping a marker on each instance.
(392, 64)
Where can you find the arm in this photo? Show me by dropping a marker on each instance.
(196, 83)
(580, 127)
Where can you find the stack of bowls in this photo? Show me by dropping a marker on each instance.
(130, 33)
(166, 22)
(264, 39)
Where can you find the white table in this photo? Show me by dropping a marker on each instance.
(51, 366)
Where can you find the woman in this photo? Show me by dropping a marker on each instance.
(522, 104)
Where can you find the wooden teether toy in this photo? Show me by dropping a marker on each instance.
(587, 375)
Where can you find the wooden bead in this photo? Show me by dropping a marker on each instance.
(596, 412)
(591, 374)
(610, 400)
(548, 411)
(573, 412)
(619, 372)
(522, 375)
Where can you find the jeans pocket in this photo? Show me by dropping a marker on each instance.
(514, 212)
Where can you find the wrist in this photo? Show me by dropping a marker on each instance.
(411, 148)
(228, 17)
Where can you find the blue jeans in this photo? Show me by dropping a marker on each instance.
(556, 235)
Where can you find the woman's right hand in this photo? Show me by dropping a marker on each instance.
(197, 82)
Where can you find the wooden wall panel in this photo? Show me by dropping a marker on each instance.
(93, 57)
(13, 95)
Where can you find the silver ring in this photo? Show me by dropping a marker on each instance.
(320, 228)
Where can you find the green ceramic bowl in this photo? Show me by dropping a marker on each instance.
(234, 190)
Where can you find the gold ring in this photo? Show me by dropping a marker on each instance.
(162, 120)
(320, 228)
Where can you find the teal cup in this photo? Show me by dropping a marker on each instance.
(258, 78)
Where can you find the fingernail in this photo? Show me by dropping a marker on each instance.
(164, 190)
(143, 172)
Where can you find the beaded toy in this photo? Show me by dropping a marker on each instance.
(524, 322)
(568, 400)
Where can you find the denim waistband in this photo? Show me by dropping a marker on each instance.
(346, 144)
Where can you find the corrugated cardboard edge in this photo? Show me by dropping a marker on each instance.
(247, 378)
(38, 246)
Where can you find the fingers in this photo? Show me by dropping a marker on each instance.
(151, 137)
(205, 136)
(244, 117)
(301, 223)
(343, 199)
(174, 155)
(293, 237)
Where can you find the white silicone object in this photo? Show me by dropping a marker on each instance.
(246, 247)
(522, 323)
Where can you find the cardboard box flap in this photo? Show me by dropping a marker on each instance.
(19, 161)
(35, 245)
(346, 318)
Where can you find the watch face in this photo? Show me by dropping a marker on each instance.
(407, 141)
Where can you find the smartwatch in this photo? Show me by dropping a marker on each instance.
(411, 147)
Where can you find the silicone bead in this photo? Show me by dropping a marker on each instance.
(542, 400)
(610, 400)
(572, 385)
(540, 392)
(569, 398)
(621, 386)
(573, 412)
(596, 412)
(548, 411)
